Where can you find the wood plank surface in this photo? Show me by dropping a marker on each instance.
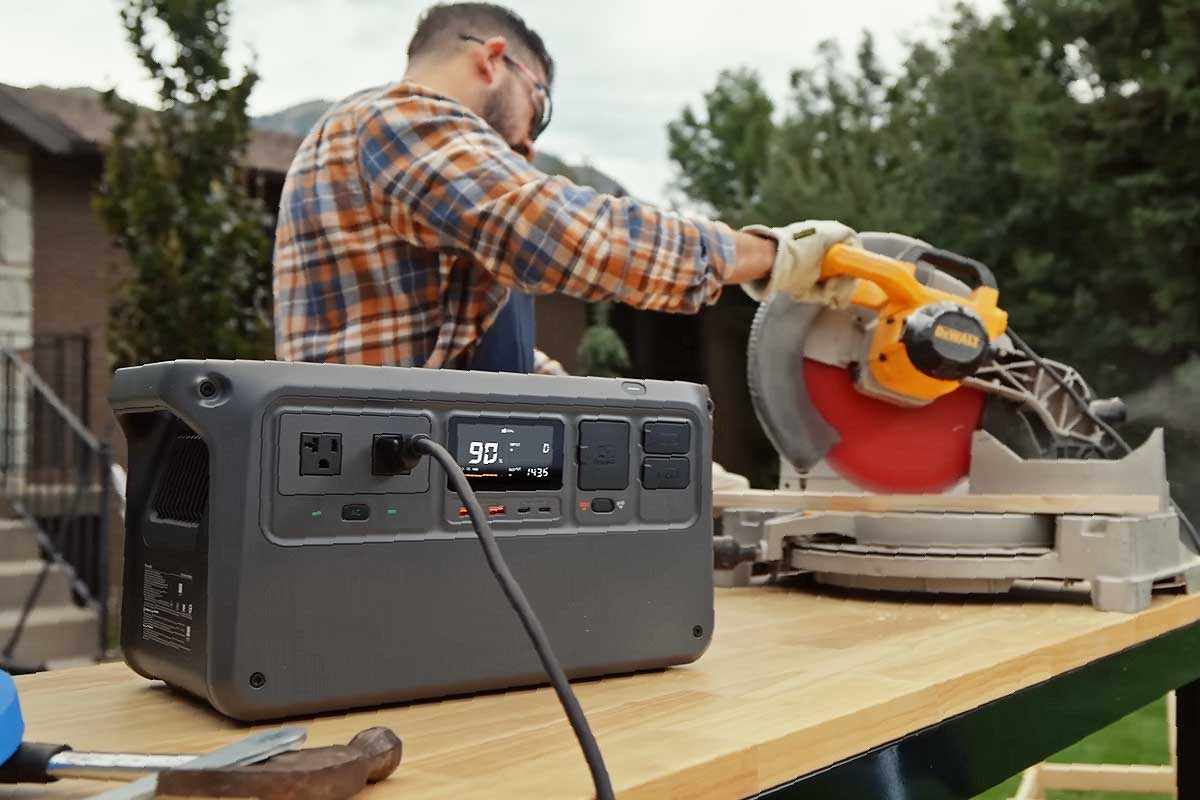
(769, 500)
(797, 678)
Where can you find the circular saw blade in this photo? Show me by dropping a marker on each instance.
(883, 447)
(812, 411)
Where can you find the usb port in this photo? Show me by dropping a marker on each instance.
(523, 510)
(495, 509)
(544, 509)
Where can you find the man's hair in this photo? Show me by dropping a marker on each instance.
(440, 26)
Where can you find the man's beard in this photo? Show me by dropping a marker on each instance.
(498, 111)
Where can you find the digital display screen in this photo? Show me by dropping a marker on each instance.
(504, 454)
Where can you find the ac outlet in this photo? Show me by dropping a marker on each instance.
(300, 472)
(320, 454)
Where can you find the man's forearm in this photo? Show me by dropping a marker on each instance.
(753, 258)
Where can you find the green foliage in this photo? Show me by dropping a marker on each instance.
(1055, 142)
(601, 351)
(723, 159)
(175, 200)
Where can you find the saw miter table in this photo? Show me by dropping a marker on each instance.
(925, 447)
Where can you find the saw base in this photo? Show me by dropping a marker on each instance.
(1123, 558)
(915, 585)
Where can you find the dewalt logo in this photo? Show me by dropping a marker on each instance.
(957, 337)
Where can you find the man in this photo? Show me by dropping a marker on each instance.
(413, 229)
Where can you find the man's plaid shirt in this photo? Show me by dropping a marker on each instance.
(406, 219)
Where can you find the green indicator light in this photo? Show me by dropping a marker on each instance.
(391, 511)
(316, 513)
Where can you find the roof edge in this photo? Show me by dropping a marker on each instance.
(45, 131)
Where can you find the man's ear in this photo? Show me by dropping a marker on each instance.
(489, 58)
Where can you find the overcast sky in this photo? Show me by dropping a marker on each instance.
(625, 67)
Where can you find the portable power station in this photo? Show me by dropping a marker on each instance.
(282, 559)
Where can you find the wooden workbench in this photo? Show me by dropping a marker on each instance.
(797, 679)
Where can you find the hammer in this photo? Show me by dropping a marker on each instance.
(318, 773)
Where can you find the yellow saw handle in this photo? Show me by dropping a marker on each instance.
(890, 287)
(889, 281)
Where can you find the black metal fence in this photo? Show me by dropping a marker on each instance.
(54, 473)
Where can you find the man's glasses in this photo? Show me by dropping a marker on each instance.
(542, 109)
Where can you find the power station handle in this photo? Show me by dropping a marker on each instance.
(967, 270)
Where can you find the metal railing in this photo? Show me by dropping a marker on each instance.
(56, 475)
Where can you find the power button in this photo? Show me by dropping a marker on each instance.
(356, 512)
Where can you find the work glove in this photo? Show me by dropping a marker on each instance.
(724, 481)
(800, 247)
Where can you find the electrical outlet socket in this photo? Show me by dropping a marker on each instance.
(320, 454)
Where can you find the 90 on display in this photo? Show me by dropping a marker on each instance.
(500, 455)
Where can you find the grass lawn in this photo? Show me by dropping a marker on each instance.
(1140, 738)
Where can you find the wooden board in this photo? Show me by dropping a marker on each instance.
(796, 679)
(766, 500)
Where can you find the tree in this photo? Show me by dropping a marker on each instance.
(723, 155)
(174, 198)
(1055, 141)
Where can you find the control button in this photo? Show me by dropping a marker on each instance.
(666, 473)
(667, 438)
(603, 455)
(356, 512)
(603, 505)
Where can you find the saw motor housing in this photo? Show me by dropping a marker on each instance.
(922, 340)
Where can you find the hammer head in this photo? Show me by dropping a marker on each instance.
(381, 750)
(319, 773)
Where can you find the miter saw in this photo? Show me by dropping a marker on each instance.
(916, 386)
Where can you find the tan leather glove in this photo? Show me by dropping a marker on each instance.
(797, 268)
(725, 481)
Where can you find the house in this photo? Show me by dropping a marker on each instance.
(57, 267)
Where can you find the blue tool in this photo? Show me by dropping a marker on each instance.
(12, 724)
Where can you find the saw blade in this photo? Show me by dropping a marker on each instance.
(811, 410)
(883, 447)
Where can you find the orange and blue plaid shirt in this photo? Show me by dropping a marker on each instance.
(406, 220)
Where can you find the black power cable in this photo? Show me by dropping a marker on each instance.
(422, 445)
(1100, 423)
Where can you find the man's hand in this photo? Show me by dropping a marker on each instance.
(800, 247)
(725, 481)
(545, 365)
